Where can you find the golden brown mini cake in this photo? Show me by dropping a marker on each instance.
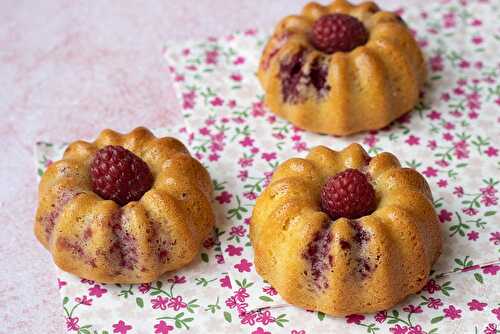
(125, 208)
(343, 233)
(341, 68)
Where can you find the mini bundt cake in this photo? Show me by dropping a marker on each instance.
(342, 68)
(342, 233)
(125, 208)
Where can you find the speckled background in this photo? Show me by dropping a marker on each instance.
(67, 70)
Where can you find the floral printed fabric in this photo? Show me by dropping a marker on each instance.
(451, 137)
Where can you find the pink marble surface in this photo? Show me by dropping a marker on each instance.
(67, 70)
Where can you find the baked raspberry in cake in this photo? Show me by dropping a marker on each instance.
(342, 232)
(124, 208)
(341, 68)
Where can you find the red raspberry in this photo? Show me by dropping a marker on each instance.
(338, 32)
(119, 175)
(348, 194)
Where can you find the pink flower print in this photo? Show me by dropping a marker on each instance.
(459, 191)
(279, 136)
(449, 126)
(412, 309)
(176, 303)
(236, 77)
(243, 266)
(224, 197)
(231, 104)
(449, 20)
(476, 305)
(61, 283)
(477, 40)
(185, 52)
(159, 303)
(179, 78)
(470, 211)
(234, 251)
(436, 63)
(430, 172)
(225, 282)
(211, 57)
(473, 115)
(177, 279)
(448, 136)
(412, 140)
(86, 281)
(492, 269)
(204, 131)
(241, 308)
(489, 200)
(219, 258)
(445, 97)
(432, 286)
(398, 329)
(452, 312)
(464, 64)
(247, 142)
(432, 144)
(217, 101)
(495, 238)
(461, 149)
(213, 157)
(269, 156)
(84, 300)
(243, 175)
(258, 109)
(251, 32)
(269, 290)
(442, 183)
(296, 138)
(248, 318)
(245, 162)
(241, 294)
(188, 100)
(472, 235)
(445, 216)
(254, 150)
(121, 327)
(434, 303)
(72, 324)
(97, 291)
(144, 287)
(491, 329)
(381, 316)
(370, 140)
(491, 152)
(260, 330)
(231, 302)
(209, 243)
(488, 191)
(162, 328)
(354, 318)
(265, 317)
(417, 329)
(246, 221)
(239, 61)
(496, 311)
(294, 331)
(434, 115)
(300, 146)
(238, 231)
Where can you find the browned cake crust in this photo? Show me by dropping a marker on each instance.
(345, 266)
(365, 89)
(98, 240)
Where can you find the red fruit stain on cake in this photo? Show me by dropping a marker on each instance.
(348, 194)
(119, 175)
(338, 32)
(291, 76)
(124, 244)
(49, 220)
(319, 257)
